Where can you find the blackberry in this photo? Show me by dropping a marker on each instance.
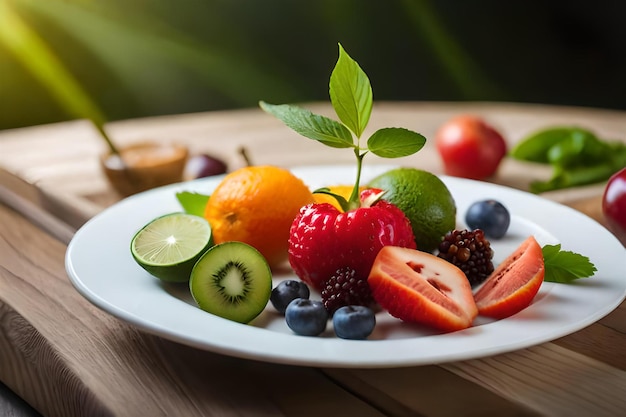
(344, 288)
(470, 251)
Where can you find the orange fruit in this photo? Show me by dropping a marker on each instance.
(256, 205)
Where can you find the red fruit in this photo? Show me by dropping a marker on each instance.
(614, 205)
(469, 147)
(323, 239)
(419, 287)
(514, 283)
(203, 165)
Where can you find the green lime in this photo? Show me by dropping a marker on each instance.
(169, 246)
(424, 199)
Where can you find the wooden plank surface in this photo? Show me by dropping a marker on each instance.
(82, 360)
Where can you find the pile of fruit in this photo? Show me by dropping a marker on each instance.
(390, 244)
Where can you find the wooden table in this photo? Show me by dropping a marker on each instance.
(65, 357)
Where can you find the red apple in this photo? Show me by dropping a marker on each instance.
(469, 147)
(614, 205)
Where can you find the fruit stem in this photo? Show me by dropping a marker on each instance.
(354, 200)
(244, 154)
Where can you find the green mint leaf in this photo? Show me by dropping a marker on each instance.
(395, 142)
(565, 266)
(312, 126)
(575, 177)
(351, 93)
(578, 150)
(536, 146)
(192, 203)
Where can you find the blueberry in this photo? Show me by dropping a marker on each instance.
(306, 317)
(287, 291)
(489, 215)
(354, 322)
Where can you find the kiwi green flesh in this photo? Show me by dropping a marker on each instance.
(232, 280)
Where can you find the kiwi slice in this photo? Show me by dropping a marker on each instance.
(232, 280)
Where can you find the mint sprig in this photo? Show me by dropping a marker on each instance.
(565, 266)
(352, 99)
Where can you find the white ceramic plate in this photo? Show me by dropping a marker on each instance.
(100, 266)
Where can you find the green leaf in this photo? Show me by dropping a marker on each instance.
(536, 146)
(565, 266)
(579, 150)
(577, 156)
(395, 142)
(351, 93)
(312, 126)
(575, 177)
(193, 203)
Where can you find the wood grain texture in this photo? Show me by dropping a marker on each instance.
(556, 381)
(546, 380)
(432, 391)
(66, 358)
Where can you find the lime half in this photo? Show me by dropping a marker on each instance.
(169, 246)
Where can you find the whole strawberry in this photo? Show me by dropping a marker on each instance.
(324, 239)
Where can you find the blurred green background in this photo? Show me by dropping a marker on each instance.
(138, 58)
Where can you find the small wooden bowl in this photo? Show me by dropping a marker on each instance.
(145, 165)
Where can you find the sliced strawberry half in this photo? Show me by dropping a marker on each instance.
(514, 283)
(419, 287)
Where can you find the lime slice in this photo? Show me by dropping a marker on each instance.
(169, 246)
